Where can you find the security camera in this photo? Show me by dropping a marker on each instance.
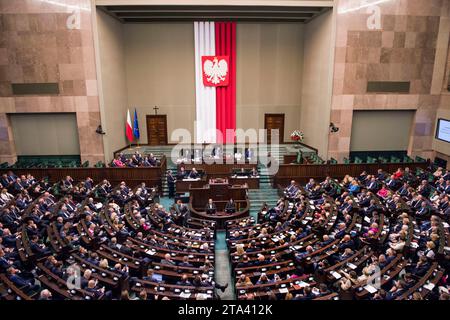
(333, 128)
(100, 130)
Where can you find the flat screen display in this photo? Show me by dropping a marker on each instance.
(443, 130)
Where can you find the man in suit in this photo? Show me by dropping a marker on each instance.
(194, 174)
(403, 191)
(291, 190)
(230, 207)
(346, 242)
(171, 183)
(423, 211)
(97, 293)
(249, 154)
(89, 183)
(185, 262)
(181, 174)
(381, 175)
(4, 181)
(26, 285)
(447, 187)
(40, 250)
(373, 185)
(184, 281)
(168, 260)
(17, 186)
(393, 183)
(211, 207)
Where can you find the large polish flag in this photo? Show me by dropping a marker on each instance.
(215, 81)
(128, 128)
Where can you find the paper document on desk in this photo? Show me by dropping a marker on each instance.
(370, 288)
(429, 286)
(351, 266)
(336, 275)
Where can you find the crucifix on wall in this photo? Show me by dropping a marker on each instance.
(156, 110)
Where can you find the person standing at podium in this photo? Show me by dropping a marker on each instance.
(230, 207)
(193, 174)
(211, 207)
(171, 183)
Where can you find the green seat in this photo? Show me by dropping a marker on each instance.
(358, 160)
(420, 159)
(333, 161)
(85, 164)
(371, 159)
(346, 161)
(407, 159)
(99, 165)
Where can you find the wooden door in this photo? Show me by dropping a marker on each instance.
(274, 121)
(157, 130)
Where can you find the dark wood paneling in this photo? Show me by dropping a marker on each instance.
(274, 121)
(157, 130)
(132, 176)
(302, 173)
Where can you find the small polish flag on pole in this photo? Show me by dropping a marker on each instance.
(129, 129)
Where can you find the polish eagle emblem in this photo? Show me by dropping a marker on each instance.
(215, 70)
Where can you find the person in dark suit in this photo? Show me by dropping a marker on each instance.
(193, 174)
(181, 174)
(4, 181)
(25, 285)
(171, 183)
(346, 242)
(186, 262)
(38, 249)
(373, 185)
(421, 268)
(97, 293)
(211, 207)
(230, 207)
(423, 211)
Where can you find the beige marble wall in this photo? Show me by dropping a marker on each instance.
(36, 45)
(403, 49)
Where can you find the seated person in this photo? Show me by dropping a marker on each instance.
(291, 190)
(182, 174)
(193, 174)
(211, 207)
(241, 173)
(230, 207)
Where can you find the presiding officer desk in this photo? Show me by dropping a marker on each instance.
(220, 191)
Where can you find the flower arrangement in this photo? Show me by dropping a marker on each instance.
(297, 136)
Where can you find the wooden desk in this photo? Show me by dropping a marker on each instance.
(216, 170)
(183, 186)
(220, 193)
(252, 182)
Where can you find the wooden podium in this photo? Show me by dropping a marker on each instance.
(221, 192)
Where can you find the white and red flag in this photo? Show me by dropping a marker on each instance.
(215, 80)
(128, 128)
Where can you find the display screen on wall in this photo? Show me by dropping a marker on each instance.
(443, 130)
